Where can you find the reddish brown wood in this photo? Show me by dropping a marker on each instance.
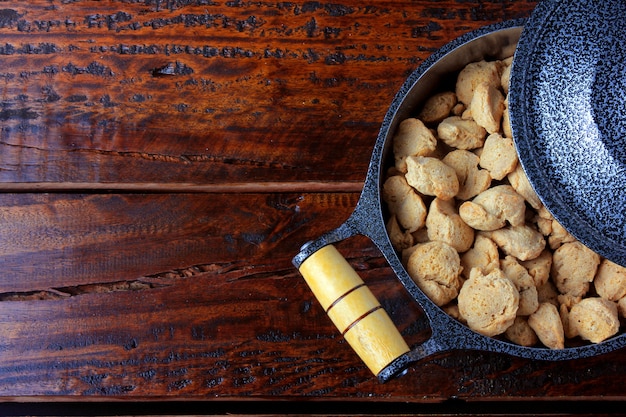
(198, 92)
(160, 165)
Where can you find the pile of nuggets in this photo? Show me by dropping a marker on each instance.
(475, 237)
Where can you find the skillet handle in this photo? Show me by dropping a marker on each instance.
(354, 309)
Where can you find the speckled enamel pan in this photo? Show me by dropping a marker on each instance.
(386, 354)
(568, 116)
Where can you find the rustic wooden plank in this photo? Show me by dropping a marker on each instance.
(239, 334)
(196, 92)
(52, 241)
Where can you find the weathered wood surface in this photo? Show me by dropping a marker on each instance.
(160, 164)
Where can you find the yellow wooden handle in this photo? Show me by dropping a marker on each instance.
(353, 308)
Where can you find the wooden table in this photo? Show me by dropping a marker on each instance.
(161, 162)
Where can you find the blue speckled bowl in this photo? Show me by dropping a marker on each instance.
(568, 116)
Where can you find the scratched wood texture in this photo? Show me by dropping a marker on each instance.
(160, 164)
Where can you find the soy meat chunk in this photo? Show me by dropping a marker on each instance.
(621, 307)
(444, 224)
(506, 121)
(505, 77)
(487, 107)
(546, 322)
(400, 239)
(539, 268)
(521, 333)
(610, 281)
(412, 138)
(559, 235)
(573, 268)
(493, 208)
(528, 297)
(430, 176)
(472, 179)
(461, 133)
(438, 107)
(594, 319)
(474, 74)
(404, 203)
(483, 255)
(488, 303)
(519, 181)
(523, 242)
(547, 293)
(498, 156)
(435, 267)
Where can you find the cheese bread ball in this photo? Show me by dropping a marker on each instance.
(610, 281)
(546, 322)
(573, 267)
(430, 176)
(444, 224)
(594, 319)
(435, 267)
(488, 303)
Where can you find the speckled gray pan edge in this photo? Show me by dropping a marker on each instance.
(568, 115)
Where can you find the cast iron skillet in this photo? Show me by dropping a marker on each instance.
(346, 299)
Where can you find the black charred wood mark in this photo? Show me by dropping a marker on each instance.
(8, 18)
(426, 31)
(94, 68)
(172, 68)
(18, 114)
(117, 21)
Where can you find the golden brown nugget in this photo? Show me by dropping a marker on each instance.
(594, 319)
(438, 107)
(493, 208)
(432, 177)
(519, 181)
(489, 302)
(610, 280)
(546, 322)
(400, 239)
(522, 242)
(487, 107)
(412, 138)
(499, 156)
(483, 255)
(573, 267)
(435, 267)
(521, 333)
(539, 268)
(472, 179)
(444, 224)
(475, 73)
(404, 203)
(461, 133)
(528, 297)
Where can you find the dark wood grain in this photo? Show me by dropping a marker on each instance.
(161, 162)
(199, 92)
